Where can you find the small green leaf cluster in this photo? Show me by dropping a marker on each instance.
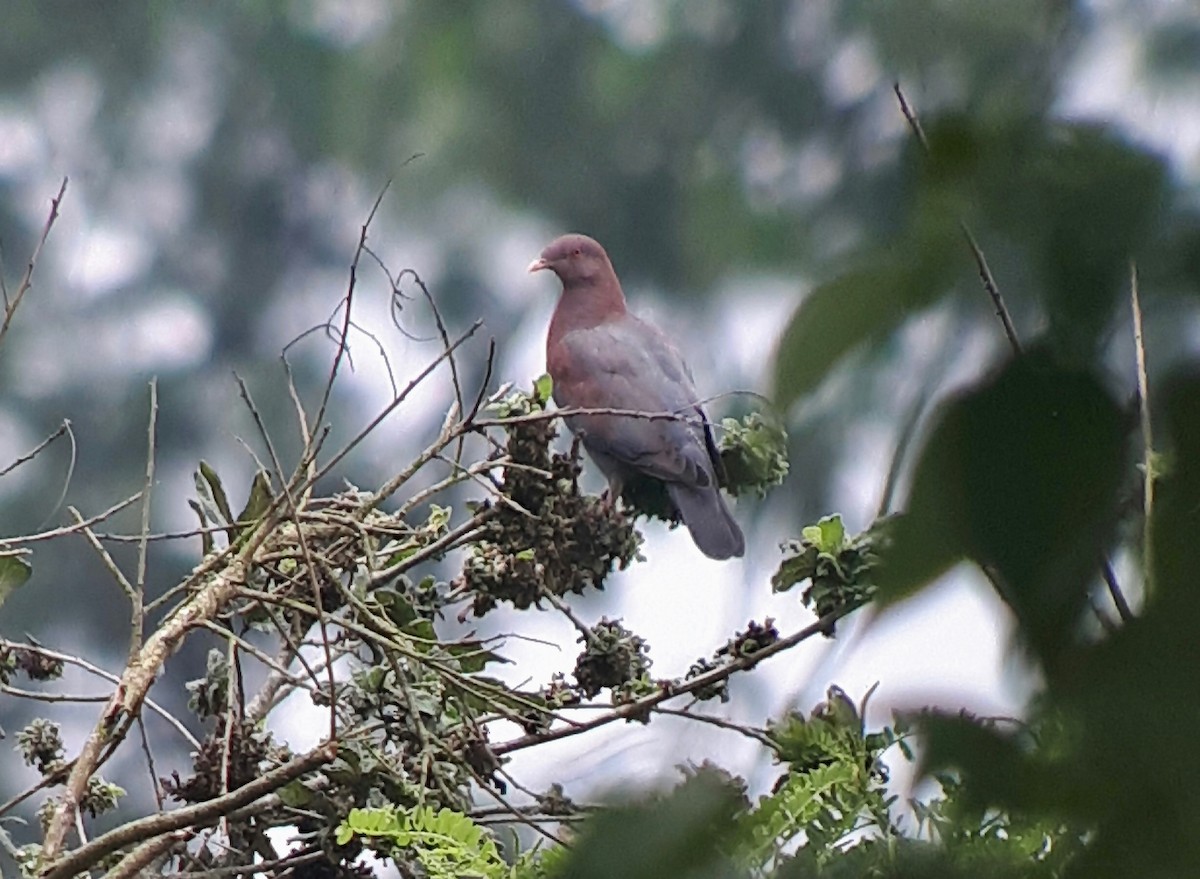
(34, 664)
(613, 657)
(840, 568)
(754, 453)
(41, 745)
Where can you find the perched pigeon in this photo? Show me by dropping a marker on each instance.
(602, 357)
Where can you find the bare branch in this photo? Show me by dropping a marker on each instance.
(30, 455)
(641, 706)
(10, 306)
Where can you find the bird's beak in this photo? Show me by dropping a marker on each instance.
(538, 264)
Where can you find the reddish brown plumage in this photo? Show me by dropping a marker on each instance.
(601, 356)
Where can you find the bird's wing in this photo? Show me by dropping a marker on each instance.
(627, 364)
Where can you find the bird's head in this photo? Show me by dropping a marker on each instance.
(576, 259)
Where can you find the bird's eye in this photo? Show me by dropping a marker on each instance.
(576, 252)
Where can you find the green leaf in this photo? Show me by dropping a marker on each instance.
(472, 656)
(257, 503)
(867, 302)
(1020, 475)
(828, 535)
(216, 492)
(660, 837)
(394, 604)
(543, 388)
(14, 571)
(297, 795)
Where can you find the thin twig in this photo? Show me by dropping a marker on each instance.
(750, 732)
(139, 594)
(66, 486)
(1114, 589)
(30, 455)
(639, 707)
(72, 529)
(1143, 384)
(993, 290)
(1010, 330)
(154, 785)
(381, 495)
(348, 299)
(10, 307)
(985, 272)
(586, 634)
(105, 675)
(107, 559)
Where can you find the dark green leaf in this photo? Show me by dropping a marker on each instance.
(1020, 475)
(257, 503)
(677, 836)
(14, 571)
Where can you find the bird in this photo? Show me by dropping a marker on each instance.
(600, 356)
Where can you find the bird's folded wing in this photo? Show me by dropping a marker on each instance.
(630, 366)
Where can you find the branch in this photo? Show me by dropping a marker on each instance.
(225, 573)
(85, 857)
(641, 706)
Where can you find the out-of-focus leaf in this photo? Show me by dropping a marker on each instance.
(14, 571)
(997, 767)
(1173, 52)
(869, 301)
(1078, 200)
(1175, 534)
(1020, 475)
(680, 835)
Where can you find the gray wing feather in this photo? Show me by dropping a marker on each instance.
(630, 365)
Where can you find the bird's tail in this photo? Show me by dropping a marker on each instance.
(708, 519)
